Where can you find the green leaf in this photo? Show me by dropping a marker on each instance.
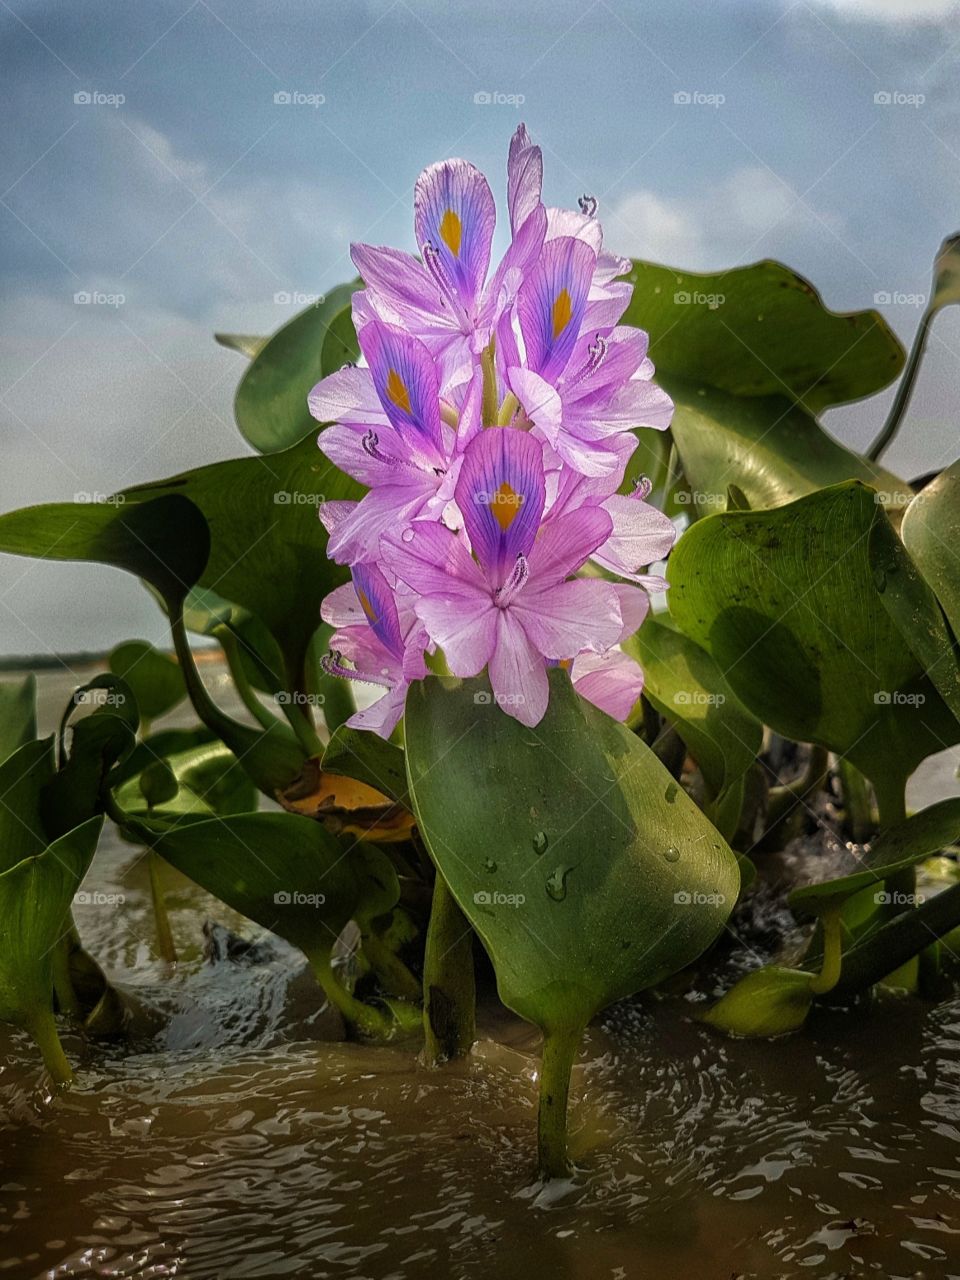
(931, 533)
(913, 606)
(18, 714)
(208, 779)
(768, 334)
(946, 275)
(24, 775)
(35, 899)
(900, 846)
(340, 346)
(163, 539)
(367, 758)
(268, 548)
(568, 847)
(773, 450)
(687, 687)
(785, 603)
(154, 677)
(271, 401)
(771, 1001)
(750, 356)
(247, 344)
(158, 784)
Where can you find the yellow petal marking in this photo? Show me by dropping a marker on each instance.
(451, 231)
(397, 391)
(368, 608)
(505, 506)
(562, 311)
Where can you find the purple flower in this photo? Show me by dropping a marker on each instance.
(378, 632)
(514, 606)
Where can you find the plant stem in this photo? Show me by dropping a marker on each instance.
(231, 651)
(559, 1052)
(490, 404)
(904, 390)
(891, 803)
(830, 966)
(44, 1031)
(372, 1022)
(165, 943)
(62, 982)
(396, 978)
(856, 800)
(899, 940)
(449, 983)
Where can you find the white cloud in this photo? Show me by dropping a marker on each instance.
(893, 10)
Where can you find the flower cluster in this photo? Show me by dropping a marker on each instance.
(492, 420)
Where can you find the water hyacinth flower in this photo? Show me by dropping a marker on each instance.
(492, 420)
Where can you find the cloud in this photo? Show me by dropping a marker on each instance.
(744, 217)
(893, 10)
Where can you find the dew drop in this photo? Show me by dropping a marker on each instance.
(540, 842)
(489, 865)
(557, 884)
(671, 854)
(407, 535)
(671, 793)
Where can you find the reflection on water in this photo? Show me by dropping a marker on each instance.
(239, 1137)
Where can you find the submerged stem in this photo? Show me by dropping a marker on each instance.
(67, 1001)
(449, 984)
(165, 943)
(44, 1031)
(830, 966)
(395, 977)
(559, 1052)
(364, 1017)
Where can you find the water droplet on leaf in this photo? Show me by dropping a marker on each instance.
(540, 842)
(671, 854)
(557, 883)
(489, 865)
(407, 535)
(671, 793)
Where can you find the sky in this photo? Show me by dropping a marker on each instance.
(147, 162)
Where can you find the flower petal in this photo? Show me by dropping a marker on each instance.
(433, 561)
(382, 716)
(641, 536)
(551, 304)
(612, 682)
(379, 608)
(566, 543)
(566, 617)
(501, 495)
(464, 626)
(518, 674)
(524, 178)
(406, 382)
(454, 218)
(398, 280)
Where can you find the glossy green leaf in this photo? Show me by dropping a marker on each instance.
(158, 784)
(586, 871)
(208, 779)
(24, 776)
(268, 548)
(354, 753)
(913, 606)
(785, 602)
(767, 333)
(750, 355)
(18, 714)
(773, 450)
(271, 401)
(162, 538)
(340, 346)
(97, 741)
(771, 1001)
(154, 677)
(931, 533)
(35, 898)
(688, 688)
(897, 847)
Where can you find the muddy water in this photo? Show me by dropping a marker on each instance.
(237, 1137)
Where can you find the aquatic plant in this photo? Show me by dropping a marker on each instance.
(545, 763)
